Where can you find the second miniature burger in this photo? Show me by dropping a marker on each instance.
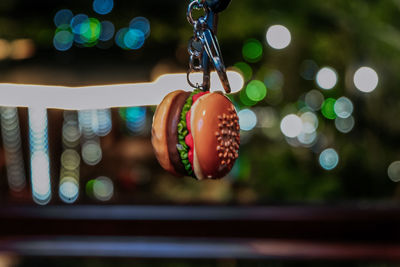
(196, 134)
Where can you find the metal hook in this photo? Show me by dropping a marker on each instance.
(204, 31)
(194, 5)
(214, 7)
(210, 43)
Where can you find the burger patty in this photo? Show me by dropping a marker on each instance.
(172, 133)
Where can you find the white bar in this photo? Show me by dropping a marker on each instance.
(105, 96)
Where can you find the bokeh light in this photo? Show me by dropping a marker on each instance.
(103, 7)
(120, 38)
(103, 188)
(69, 176)
(71, 133)
(22, 49)
(366, 79)
(326, 78)
(135, 118)
(63, 27)
(88, 123)
(89, 188)
(11, 136)
(76, 23)
(84, 31)
(63, 40)
(274, 80)
(245, 100)
(278, 36)
(343, 107)
(104, 122)
(70, 159)
(267, 117)
(91, 152)
(96, 122)
(329, 159)
(314, 99)
(307, 139)
(393, 171)
(256, 90)
(328, 108)
(142, 24)
(90, 30)
(291, 125)
(39, 157)
(247, 119)
(63, 17)
(268, 121)
(245, 70)
(344, 125)
(134, 36)
(107, 30)
(308, 69)
(294, 142)
(40, 176)
(252, 50)
(5, 49)
(134, 39)
(309, 121)
(69, 190)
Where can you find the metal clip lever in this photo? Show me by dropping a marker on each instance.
(205, 29)
(211, 46)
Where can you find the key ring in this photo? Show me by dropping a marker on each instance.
(197, 85)
(195, 5)
(204, 40)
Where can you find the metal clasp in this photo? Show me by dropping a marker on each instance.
(211, 46)
(204, 33)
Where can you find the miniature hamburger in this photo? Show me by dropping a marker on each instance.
(196, 134)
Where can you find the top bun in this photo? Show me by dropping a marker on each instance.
(215, 129)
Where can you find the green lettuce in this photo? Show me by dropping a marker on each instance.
(183, 131)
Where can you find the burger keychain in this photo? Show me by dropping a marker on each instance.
(197, 133)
